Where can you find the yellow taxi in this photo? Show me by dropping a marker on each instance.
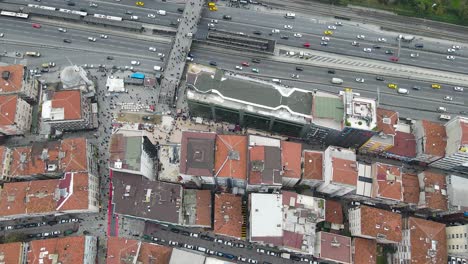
(139, 3)
(392, 86)
(435, 86)
(328, 32)
(214, 8)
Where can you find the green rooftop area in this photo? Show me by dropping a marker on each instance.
(252, 92)
(329, 107)
(133, 152)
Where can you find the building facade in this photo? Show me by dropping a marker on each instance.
(457, 240)
(15, 115)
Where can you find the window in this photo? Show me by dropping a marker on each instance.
(457, 246)
(457, 235)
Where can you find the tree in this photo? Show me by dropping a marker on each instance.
(463, 12)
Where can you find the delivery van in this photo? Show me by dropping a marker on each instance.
(158, 68)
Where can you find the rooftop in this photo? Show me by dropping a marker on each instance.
(197, 153)
(137, 196)
(266, 217)
(334, 212)
(45, 196)
(433, 191)
(344, 171)
(435, 138)
(11, 252)
(8, 109)
(231, 156)
(291, 159)
(456, 188)
(67, 155)
(410, 188)
(63, 105)
(57, 250)
(428, 241)
(228, 218)
(335, 247)
(387, 182)
(457, 136)
(197, 207)
(328, 110)
(360, 112)
(387, 121)
(14, 82)
(381, 224)
(265, 165)
(125, 152)
(180, 256)
(124, 251)
(404, 145)
(313, 161)
(231, 88)
(365, 251)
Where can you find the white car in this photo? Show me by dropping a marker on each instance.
(211, 25)
(93, 5)
(414, 55)
(450, 57)
(151, 15)
(448, 98)
(288, 27)
(355, 43)
(456, 47)
(92, 39)
(367, 50)
(298, 35)
(360, 37)
(162, 55)
(382, 40)
(295, 76)
(188, 246)
(153, 49)
(104, 36)
(173, 243)
(135, 63)
(243, 259)
(253, 261)
(215, 21)
(360, 80)
(240, 33)
(449, 50)
(130, 68)
(326, 38)
(338, 23)
(193, 234)
(228, 243)
(276, 31)
(63, 30)
(261, 250)
(238, 67)
(458, 89)
(331, 27)
(1, 35)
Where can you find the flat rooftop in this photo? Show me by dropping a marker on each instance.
(137, 196)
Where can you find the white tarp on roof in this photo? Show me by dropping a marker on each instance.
(266, 215)
(114, 84)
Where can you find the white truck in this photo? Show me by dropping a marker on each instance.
(290, 15)
(337, 81)
(33, 54)
(161, 12)
(406, 38)
(286, 255)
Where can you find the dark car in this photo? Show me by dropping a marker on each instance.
(227, 17)
(296, 258)
(71, 4)
(419, 45)
(18, 226)
(147, 118)
(256, 32)
(83, 10)
(389, 52)
(380, 78)
(180, 9)
(31, 225)
(331, 71)
(45, 70)
(110, 57)
(31, 235)
(205, 237)
(416, 87)
(229, 256)
(185, 233)
(174, 23)
(213, 63)
(377, 47)
(67, 41)
(175, 230)
(256, 60)
(128, 12)
(463, 112)
(299, 68)
(284, 37)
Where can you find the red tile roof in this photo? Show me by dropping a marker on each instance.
(228, 218)
(15, 81)
(404, 145)
(387, 182)
(69, 155)
(66, 250)
(70, 101)
(122, 251)
(11, 252)
(203, 208)
(335, 247)
(386, 121)
(227, 164)
(422, 235)
(410, 188)
(8, 109)
(365, 251)
(313, 165)
(344, 171)
(376, 221)
(291, 159)
(292, 239)
(434, 183)
(435, 138)
(333, 212)
(19, 198)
